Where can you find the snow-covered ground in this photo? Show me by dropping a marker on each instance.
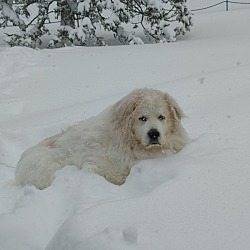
(196, 199)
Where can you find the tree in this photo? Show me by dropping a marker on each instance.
(68, 9)
(85, 22)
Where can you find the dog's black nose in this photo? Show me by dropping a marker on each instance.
(153, 134)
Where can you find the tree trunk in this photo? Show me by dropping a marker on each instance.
(68, 10)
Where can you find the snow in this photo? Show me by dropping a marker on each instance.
(196, 199)
(130, 234)
(10, 14)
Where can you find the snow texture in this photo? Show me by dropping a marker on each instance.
(196, 199)
(130, 234)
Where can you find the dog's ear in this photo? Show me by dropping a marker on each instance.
(174, 107)
(124, 108)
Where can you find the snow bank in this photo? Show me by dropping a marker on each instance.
(197, 199)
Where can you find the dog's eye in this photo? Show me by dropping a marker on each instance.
(161, 117)
(143, 118)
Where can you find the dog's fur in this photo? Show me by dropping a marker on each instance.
(144, 124)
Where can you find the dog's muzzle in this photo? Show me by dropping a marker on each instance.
(154, 135)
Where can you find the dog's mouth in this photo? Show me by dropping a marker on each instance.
(154, 142)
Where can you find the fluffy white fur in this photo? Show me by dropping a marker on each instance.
(144, 124)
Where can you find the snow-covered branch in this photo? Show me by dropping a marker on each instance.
(84, 22)
(8, 14)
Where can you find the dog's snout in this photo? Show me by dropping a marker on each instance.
(153, 134)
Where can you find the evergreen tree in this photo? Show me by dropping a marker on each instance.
(84, 22)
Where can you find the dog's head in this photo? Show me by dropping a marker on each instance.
(148, 117)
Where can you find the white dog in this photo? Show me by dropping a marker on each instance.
(144, 124)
